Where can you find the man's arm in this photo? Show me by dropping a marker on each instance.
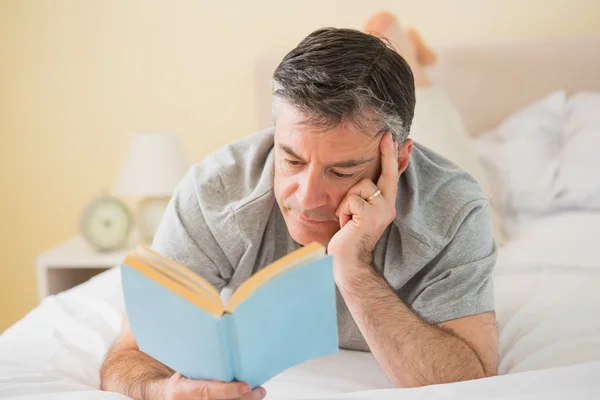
(410, 351)
(129, 371)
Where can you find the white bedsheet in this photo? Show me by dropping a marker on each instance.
(548, 316)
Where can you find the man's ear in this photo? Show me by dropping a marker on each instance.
(404, 155)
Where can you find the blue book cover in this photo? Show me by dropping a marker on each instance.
(284, 315)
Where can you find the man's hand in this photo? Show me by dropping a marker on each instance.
(179, 388)
(362, 222)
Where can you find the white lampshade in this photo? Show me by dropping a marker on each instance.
(154, 165)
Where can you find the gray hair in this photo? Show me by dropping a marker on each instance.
(337, 76)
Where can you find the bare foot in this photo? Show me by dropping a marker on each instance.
(385, 24)
(380, 22)
(426, 56)
(408, 43)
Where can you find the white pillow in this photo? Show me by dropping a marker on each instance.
(578, 181)
(520, 159)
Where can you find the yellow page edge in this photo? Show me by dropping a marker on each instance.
(183, 271)
(194, 298)
(262, 276)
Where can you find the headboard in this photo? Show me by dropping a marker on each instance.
(488, 82)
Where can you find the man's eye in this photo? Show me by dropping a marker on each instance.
(293, 163)
(343, 176)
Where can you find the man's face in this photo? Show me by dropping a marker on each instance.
(314, 170)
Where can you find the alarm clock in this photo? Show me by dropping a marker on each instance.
(106, 222)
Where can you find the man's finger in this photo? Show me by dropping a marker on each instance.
(257, 394)
(388, 180)
(221, 390)
(364, 189)
(351, 205)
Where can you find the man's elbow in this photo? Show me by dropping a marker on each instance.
(105, 385)
(104, 378)
(451, 376)
(107, 378)
(489, 372)
(475, 371)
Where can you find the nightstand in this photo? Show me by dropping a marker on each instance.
(71, 263)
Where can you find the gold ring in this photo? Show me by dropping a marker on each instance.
(371, 197)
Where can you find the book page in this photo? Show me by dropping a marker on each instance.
(180, 273)
(296, 258)
(207, 303)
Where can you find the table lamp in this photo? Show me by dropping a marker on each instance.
(154, 165)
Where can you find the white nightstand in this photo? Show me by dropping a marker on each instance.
(71, 263)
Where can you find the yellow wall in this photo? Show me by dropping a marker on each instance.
(78, 78)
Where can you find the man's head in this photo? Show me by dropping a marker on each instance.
(334, 97)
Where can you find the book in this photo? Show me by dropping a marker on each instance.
(283, 315)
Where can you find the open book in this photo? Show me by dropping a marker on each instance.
(281, 316)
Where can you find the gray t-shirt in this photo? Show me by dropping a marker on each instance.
(438, 254)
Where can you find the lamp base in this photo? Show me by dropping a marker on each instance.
(150, 212)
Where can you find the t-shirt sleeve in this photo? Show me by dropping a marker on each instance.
(458, 281)
(184, 233)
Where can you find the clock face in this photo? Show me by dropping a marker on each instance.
(106, 223)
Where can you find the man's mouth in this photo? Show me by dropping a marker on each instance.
(308, 220)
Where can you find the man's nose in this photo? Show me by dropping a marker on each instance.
(311, 192)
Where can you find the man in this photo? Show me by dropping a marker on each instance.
(409, 231)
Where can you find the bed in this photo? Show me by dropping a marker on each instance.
(546, 281)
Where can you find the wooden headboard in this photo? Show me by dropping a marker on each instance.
(489, 82)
